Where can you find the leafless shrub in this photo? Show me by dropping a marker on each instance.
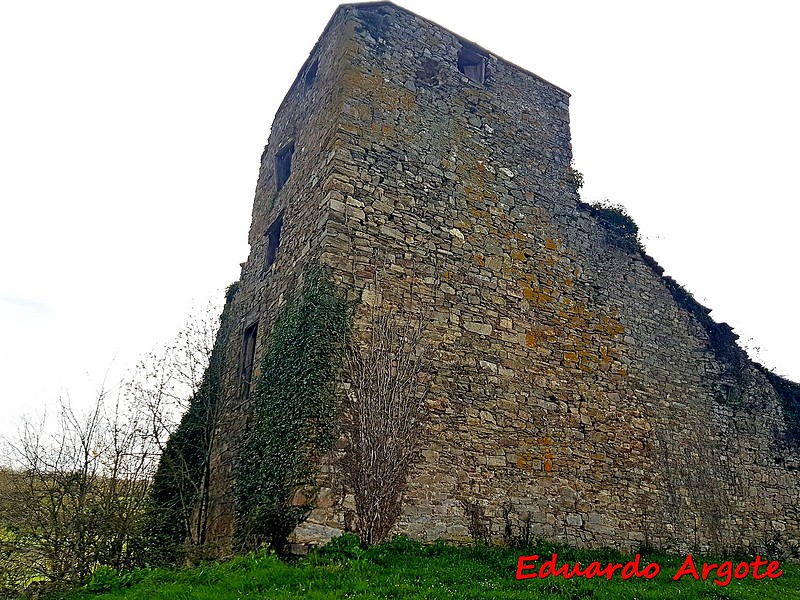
(178, 390)
(518, 525)
(386, 410)
(166, 379)
(76, 490)
(72, 499)
(477, 525)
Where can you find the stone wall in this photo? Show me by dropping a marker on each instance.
(307, 118)
(571, 396)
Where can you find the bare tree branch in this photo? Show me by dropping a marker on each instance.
(386, 411)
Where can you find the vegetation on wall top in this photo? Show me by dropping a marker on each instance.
(574, 177)
(623, 232)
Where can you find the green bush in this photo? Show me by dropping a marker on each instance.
(574, 177)
(105, 578)
(622, 230)
(343, 548)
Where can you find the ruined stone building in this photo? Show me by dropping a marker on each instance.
(574, 389)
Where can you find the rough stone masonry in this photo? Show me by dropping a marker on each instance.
(576, 393)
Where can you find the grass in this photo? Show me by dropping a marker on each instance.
(405, 569)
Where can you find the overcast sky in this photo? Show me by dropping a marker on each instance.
(130, 137)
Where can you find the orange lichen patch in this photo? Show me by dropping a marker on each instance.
(605, 355)
(611, 325)
(524, 460)
(517, 255)
(447, 275)
(408, 101)
(530, 339)
(551, 259)
(547, 281)
(351, 128)
(527, 292)
(577, 321)
(472, 174)
(547, 466)
(551, 244)
(571, 357)
(382, 129)
(476, 212)
(479, 260)
(464, 225)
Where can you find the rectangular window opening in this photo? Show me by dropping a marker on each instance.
(283, 166)
(273, 236)
(472, 64)
(248, 357)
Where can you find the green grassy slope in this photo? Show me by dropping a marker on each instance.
(404, 569)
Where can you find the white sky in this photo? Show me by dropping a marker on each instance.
(130, 136)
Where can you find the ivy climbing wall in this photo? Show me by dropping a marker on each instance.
(575, 393)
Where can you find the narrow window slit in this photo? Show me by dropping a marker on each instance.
(248, 357)
(311, 74)
(283, 166)
(273, 236)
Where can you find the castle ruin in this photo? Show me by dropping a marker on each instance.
(575, 390)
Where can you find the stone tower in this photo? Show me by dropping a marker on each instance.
(577, 392)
